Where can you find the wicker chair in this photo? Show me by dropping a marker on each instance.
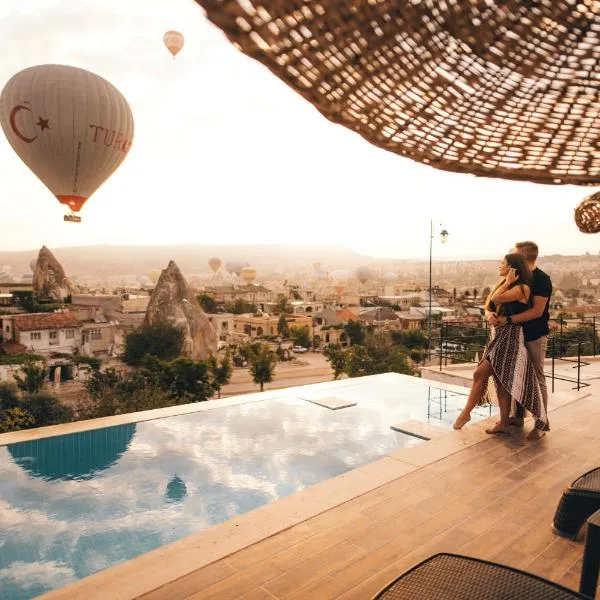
(580, 500)
(455, 577)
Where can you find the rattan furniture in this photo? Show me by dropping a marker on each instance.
(455, 577)
(580, 500)
(591, 557)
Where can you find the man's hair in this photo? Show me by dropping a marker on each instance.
(528, 250)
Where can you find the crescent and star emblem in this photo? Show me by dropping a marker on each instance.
(41, 123)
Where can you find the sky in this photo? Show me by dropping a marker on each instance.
(226, 153)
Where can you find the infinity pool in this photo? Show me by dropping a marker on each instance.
(75, 504)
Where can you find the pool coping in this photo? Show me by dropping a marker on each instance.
(160, 567)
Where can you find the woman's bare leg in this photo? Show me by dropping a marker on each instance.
(480, 376)
(504, 402)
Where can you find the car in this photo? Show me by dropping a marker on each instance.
(299, 349)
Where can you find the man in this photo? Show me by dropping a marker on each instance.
(535, 326)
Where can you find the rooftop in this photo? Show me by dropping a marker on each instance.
(39, 321)
(348, 536)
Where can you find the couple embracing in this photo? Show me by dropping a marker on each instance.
(511, 372)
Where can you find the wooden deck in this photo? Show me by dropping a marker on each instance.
(494, 500)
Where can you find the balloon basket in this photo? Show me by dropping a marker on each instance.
(72, 218)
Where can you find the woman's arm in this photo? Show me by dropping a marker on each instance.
(503, 294)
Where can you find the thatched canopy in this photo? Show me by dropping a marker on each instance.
(504, 88)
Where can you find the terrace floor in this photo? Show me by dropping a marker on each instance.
(464, 492)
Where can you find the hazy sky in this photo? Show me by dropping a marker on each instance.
(226, 153)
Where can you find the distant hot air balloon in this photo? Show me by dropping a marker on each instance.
(248, 274)
(339, 289)
(69, 126)
(316, 266)
(234, 267)
(214, 263)
(363, 274)
(173, 40)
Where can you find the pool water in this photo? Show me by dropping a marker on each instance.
(76, 504)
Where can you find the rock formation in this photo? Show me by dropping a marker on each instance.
(49, 279)
(173, 302)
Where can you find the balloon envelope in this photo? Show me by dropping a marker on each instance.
(71, 127)
(248, 274)
(214, 264)
(173, 40)
(363, 274)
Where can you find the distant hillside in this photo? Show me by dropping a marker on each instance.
(119, 260)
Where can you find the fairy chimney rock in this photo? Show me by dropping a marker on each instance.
(173, 302)
(49, 278)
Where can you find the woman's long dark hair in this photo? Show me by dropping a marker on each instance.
(525, 277)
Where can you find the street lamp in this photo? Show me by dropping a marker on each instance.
(443, 240)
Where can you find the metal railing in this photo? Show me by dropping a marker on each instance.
(463, 343)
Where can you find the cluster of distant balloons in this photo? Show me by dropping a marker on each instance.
(71, 127)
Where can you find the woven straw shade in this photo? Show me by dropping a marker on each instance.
(505, 88)
(587, 214)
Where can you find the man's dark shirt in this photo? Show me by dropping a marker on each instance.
(540, 286)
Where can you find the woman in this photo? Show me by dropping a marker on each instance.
(505, 373)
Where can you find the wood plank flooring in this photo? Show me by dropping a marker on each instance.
(494, 500)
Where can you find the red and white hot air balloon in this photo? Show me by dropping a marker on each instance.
(173, 40)
(71, 127)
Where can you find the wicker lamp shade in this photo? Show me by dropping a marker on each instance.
(504, 88)
(587, 214)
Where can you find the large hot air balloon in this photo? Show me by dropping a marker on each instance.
(173, 40)
(363, 274)
(214, 263)
(248, 274)
(69, 126)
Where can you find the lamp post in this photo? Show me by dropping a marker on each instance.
(443, 239)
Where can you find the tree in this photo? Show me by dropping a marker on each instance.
(355, 332)
(262, 364)
(15, 419)
(46, 409)
(208, 303)
(377, 355)
(161, 339)
(283, 304)
(411, 339)
(335, 356)
(301, 336)
(221, 372)
(9, 396)
(32, 377)
(240, 307)
(474, 293)
(282, 327)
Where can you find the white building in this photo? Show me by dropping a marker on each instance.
(43, 333)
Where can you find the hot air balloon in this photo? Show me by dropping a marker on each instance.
(248, 274)
(316, 266)
(69, 126)
(173, 40)
(339, 289)
(363, 274)
(234, 267)
(214, 264)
